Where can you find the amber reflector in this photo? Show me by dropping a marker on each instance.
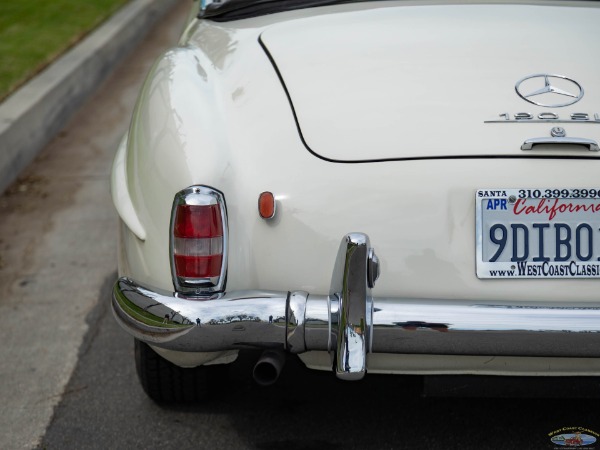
(266, 205)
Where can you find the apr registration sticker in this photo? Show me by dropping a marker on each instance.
(538, 233)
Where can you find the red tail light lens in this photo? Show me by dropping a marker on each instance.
(198, 240)
(198, 266)
(198, 221)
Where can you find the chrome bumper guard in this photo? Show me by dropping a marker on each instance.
(349, 323)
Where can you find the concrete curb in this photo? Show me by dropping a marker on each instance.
(34, 114)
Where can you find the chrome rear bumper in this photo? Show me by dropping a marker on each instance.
(349, 323)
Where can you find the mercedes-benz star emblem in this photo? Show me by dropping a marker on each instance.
(546, 90)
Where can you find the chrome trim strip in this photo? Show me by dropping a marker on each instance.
(421, 326)
(252, 319)
(590, 143)
(350, 287)
(295, 322)
(572, 121)
(468, 328)
(355, 321)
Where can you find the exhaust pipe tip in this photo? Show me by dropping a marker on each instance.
(268, 367)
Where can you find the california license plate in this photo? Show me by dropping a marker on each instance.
(538, 233)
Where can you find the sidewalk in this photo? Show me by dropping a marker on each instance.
(34, 114)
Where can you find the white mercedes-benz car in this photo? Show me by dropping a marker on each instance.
(402, 187)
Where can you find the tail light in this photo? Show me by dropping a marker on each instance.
(199, 241)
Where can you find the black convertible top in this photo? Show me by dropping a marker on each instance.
(225, 10)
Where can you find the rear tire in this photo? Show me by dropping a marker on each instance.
(164, 382)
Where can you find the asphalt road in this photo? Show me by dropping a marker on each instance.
(68, 378)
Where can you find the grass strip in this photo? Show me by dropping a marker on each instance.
(33, 33)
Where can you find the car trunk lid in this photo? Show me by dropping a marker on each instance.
(397, 81)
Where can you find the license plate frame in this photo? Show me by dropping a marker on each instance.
(537, 233)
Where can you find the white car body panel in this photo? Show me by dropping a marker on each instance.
(213, 112)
